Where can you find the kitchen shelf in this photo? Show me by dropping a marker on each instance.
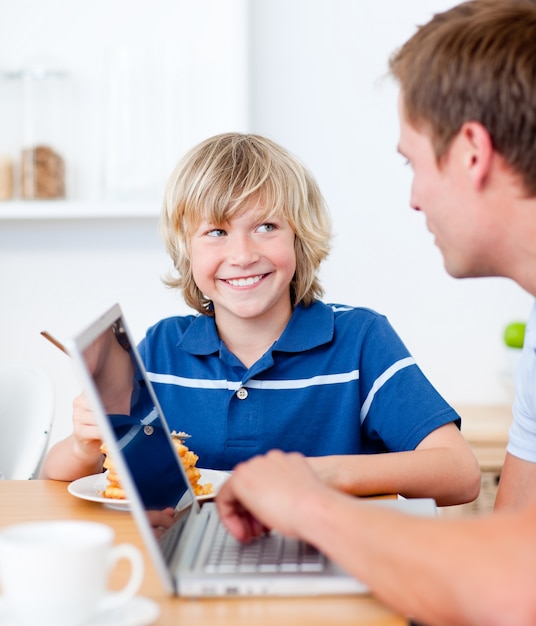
(76, 210)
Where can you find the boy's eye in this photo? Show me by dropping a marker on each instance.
(266, 228)
(216, 232)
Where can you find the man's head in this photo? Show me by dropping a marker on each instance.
(475, 62)
(467, 112)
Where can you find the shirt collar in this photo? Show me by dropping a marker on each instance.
(201, 337)
(309, 327)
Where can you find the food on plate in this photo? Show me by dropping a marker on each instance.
(113, 487)
(188, 458)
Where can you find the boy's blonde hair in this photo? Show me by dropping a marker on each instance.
(220, 178)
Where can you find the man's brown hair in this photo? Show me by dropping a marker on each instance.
(475, 62)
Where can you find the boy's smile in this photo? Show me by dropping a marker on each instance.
(244, 282)
(245, 267)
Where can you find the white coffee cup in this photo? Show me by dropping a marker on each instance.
(55, 573)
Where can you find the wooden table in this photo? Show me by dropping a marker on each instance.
(42, 499)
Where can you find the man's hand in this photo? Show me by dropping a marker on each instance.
(267, 492)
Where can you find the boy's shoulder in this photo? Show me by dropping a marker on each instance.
(341, 316)
(177, 325)
(349, 311)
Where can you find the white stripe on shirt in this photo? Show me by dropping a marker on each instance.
(300, 383)
(381, 380)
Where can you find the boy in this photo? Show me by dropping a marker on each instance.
(265, 363)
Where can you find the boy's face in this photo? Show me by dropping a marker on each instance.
(245, 267)
(444, 193)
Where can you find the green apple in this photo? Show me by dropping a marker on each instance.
(514, 334)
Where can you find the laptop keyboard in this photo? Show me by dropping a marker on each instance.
(270, 553)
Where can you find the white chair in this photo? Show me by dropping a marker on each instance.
(26, 412)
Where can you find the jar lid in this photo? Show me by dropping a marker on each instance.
(10, 74)
(41, 68)
(42, 73)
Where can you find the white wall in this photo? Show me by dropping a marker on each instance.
(315, 85)
(318, 86)
(59, 274)
(176, 68)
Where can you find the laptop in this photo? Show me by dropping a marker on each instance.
(194, 556)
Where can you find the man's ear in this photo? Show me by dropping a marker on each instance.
(478, 152)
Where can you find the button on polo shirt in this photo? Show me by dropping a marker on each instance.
(242, 393)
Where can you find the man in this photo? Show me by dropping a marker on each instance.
(467, 127)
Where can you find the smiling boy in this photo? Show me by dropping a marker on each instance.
(265, 363)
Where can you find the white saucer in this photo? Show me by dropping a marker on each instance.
(139, 611)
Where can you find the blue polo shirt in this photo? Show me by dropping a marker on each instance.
(339, 380)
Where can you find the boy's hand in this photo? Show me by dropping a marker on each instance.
(86, 433)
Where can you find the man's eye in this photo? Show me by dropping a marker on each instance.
(216, 232)
(266, 228)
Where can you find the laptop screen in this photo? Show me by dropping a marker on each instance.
(134, 428)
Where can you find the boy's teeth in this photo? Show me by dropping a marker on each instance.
(243, 282)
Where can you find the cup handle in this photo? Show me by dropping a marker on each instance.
(130, 553)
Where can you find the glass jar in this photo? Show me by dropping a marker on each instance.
(134, 122)
(46, 133)
(9, 133)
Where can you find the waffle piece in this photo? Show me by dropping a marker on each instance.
(114, 490)
(113, 487)
(189, 460)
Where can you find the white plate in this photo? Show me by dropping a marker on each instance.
(216, 477)
(91, 488)
(138, 611)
